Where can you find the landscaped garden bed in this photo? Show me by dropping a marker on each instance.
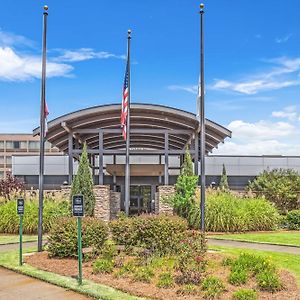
(133, 281)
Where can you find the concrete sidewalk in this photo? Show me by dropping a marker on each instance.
(254, 246)
(14, 286)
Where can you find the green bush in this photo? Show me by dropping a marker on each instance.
(103, 265)
(143, 274)
(9, 220)
(238, 277)
(160, 234)
(229, 213)
(62, 240)
(269, 281)
(293, 220)
(212, 287)
(281, 186)
(244, 294)
(165, 280)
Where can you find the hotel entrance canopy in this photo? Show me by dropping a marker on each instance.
(155, 129)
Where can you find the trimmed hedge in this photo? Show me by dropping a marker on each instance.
(62, 240)
(161, 234)
(226, 212)
(9, 219)
(293, 220)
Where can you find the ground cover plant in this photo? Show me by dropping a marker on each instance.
(290, 238)
(53, 209)
(293, 220)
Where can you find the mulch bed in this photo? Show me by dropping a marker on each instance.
(69, 267)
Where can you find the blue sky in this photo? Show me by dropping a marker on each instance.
(252, 63)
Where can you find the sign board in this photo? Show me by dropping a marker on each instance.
(78, 206)
(20, 206)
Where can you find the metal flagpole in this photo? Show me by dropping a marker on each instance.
(127, 170)
(202, 122)
(42, 132)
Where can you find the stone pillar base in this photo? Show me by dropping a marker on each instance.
(165, 191)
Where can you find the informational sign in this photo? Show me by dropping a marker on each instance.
(20, 206)
(78, 205)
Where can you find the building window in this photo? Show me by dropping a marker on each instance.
(33, 145)
(8, 160)
(1, 160)
(1, 174)
(1, 144)
(16, 145)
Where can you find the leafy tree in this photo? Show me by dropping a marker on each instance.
(11, 186)
(281, 186)
(83, 183)
(185, 187)
(224, 181)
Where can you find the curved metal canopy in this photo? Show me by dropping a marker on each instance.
(142, 118)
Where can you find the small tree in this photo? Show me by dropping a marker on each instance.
(11, 186)
(83, 183)
(281, 186)
(186, 184)
(224, 180)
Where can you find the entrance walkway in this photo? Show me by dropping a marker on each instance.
(255, 246)
(14, 286)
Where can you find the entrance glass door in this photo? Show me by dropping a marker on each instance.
(140, 199)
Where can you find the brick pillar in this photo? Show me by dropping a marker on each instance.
(165, 191)
(102, 205)
(115, 204)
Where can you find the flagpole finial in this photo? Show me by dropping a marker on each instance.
(201, 7)
(129, 33)
(45, 7)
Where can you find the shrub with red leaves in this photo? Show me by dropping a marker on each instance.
(11, 186)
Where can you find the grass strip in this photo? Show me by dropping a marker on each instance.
(291, 262)
(9, 260)
(289, 238)
(14, 239)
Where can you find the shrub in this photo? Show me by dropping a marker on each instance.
(281, 186)
(109, 250)
(160, 234)
(11, 186)
(9, 220)
(143, 274)
(83, 183)
(103, 265)
(212, 287)
(269, 281)
(293, 220)
(229, 213)
(165, 280)
(238, 277)
(244, 294)
(62, 240)
(224, 180)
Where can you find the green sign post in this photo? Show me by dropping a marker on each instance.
(20, 211)
(78, 211)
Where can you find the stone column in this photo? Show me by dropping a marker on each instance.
(165, 191)
(102, 205)
(115, 204)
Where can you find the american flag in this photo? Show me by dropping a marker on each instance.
(124, 111)
(46, 113)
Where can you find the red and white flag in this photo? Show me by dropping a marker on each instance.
(124, 111)
(46, 113)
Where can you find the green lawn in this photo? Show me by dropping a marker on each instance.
(10, 260)
(287, 261)
(11, 239)
(290, 238)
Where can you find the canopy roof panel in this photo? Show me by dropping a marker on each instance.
(83, 124)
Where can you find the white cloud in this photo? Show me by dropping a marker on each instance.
(85, 54)
(284, 74)
(289, 112)
(284, 39)
(188, 88)
(261, 138)
(16, 67)
(11, 39)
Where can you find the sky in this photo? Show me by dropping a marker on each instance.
(252, 63)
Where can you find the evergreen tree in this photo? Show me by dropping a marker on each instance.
(224, 181)
(186, 184)
(83, 183)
